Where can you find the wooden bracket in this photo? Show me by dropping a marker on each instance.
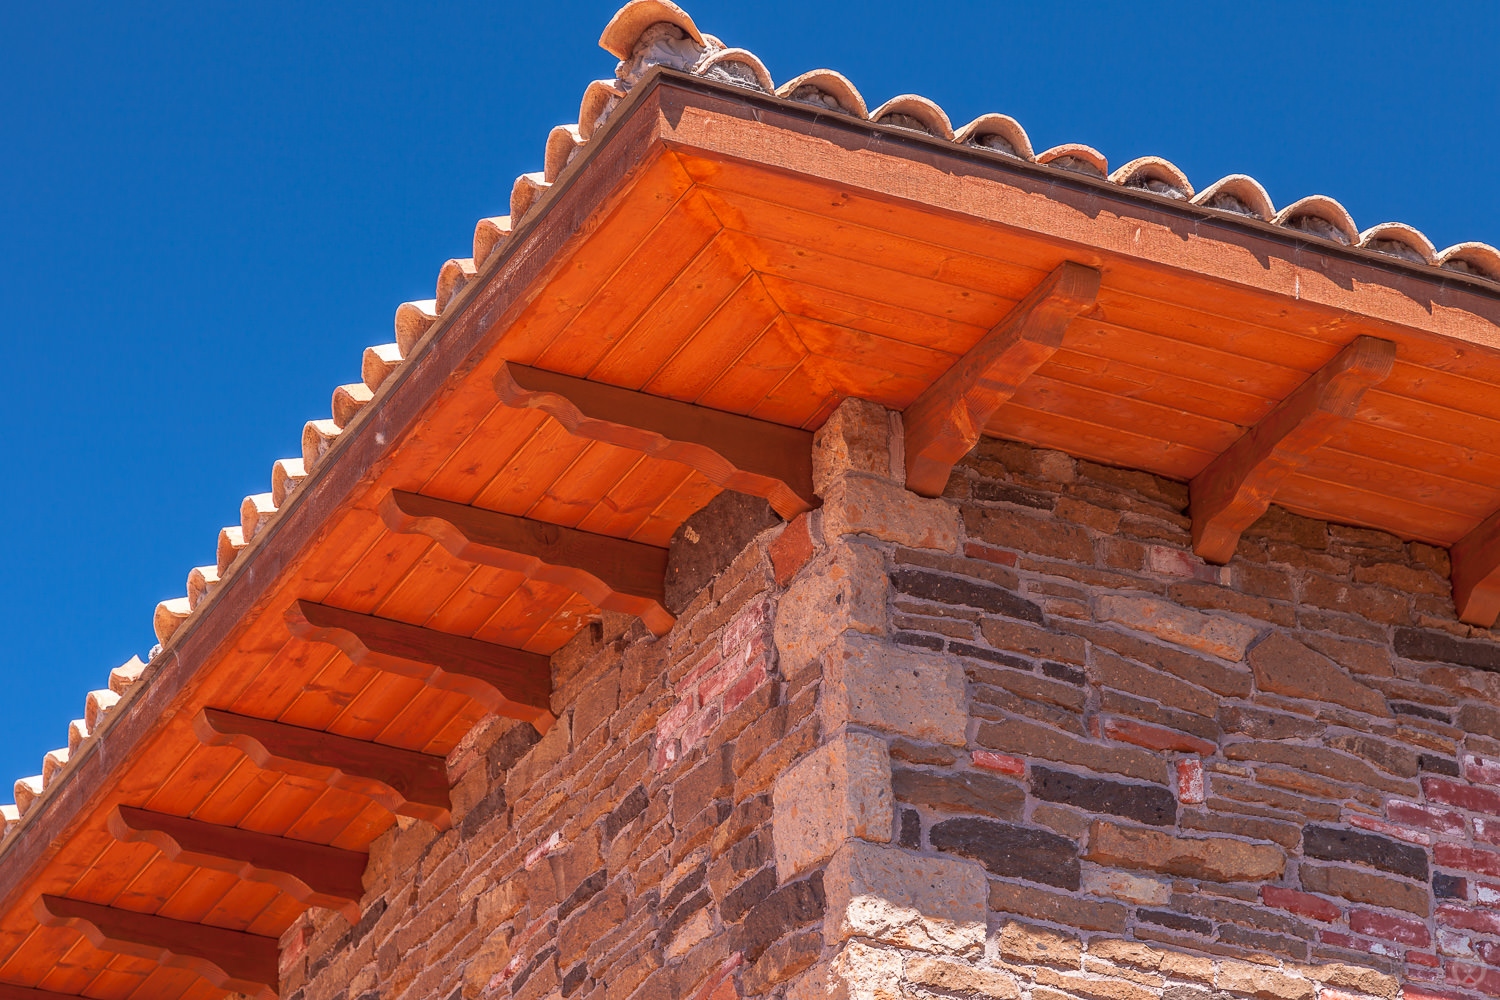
(505, 680)
(1476, 574)
(738, 453)
(231, 960)
(612, 573)
(310, 873)
(948, 418)
(1238, 486)
(404, 781)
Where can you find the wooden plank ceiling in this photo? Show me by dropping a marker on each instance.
(742, 254)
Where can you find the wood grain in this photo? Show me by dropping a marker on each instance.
(946, 421)
(1238, 486)
(311, 873)
(739, 453)
(1476, 574)
(233, 960)
(405, 782)
(511, 682)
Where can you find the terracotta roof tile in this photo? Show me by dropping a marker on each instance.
(738, 67)
(1319, 215)
(200, 583)
(1239, 194)
(1154, 174)
(1077, 157)
(825, 88)
(126, 674)
(998, 132)
(27, 791)
(916, 113)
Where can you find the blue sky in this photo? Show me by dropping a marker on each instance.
(210, 209)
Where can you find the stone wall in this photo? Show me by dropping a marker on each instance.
(1015, 742)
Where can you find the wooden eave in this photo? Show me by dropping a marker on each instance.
(747, 254)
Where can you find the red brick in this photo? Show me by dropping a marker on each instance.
(1456, 793)
(744, 625)
(1175, 562)
(1428, 818)
(699, 725)
(686, 686)
(748, 683)
(1190, 785)
(718, 680)
(1473, 977)
(673, 721)
(1469, 919)
(1422, 958)
(1301, 903)
(791, 550)
(1366, 822)
(1004, 763)
(1466, 859)
(1341, 940)
(1152, 737)
(1390, 928)
(1487, 829)
(1482, 769)
(976, 551)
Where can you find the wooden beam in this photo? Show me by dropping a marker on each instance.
(508, 681)
(404, 781)
(946, 421)
(314, 874)
(1476, 574)
(613, 573)
(738, 453)
(230, 960)
(1238, 486)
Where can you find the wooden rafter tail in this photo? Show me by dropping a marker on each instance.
(743, 454)
(943, 423)
(230, 960)
(314, 874)
(612, 573)
(510, 682)
(1476, 574)
(406, 782)
(1239, 485)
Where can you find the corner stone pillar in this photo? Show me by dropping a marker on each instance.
(832, 811)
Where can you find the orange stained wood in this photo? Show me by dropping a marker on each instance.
(724, 256)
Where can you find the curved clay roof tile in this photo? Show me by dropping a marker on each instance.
(632, 20)
(489, 234)
(1076, 157)
(739, 67)
(53, 762)
(286, 475)
(127, 673)
(452, 277)
(1240, 194)
(1399, 240)
(375, 366)
(231, 544)
(317, 437)
(78, 731)
(525, 192)
(413, 320)
(169, 617)
(1154, 174)
(27, 791)
(200, 583)
(562, 142)
(824, 88)
(1319, 215)
(599, 99)
(998, 132)
(1479, 259)
(914, 112)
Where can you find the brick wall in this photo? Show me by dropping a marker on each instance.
(1016, 742)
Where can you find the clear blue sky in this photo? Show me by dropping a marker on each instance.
(210, 209)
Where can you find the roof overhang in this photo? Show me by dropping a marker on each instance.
(745, 254)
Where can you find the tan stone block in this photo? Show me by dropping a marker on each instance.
(861, 505)
(947, 976)
(1218, 859)
(1263, 982)
(934, 904)
(857, 437)
(863, 972)
(486, 964)
(1018, 942)
(1211, 634)
(844, 590)
(1354, 977)
(1123, 885)
(915, 693)
(1118, 952)
(840, 790)
(1285, 666)
(1078, 985)
(1194, 968)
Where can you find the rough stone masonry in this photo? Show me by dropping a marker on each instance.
(1015, 742)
